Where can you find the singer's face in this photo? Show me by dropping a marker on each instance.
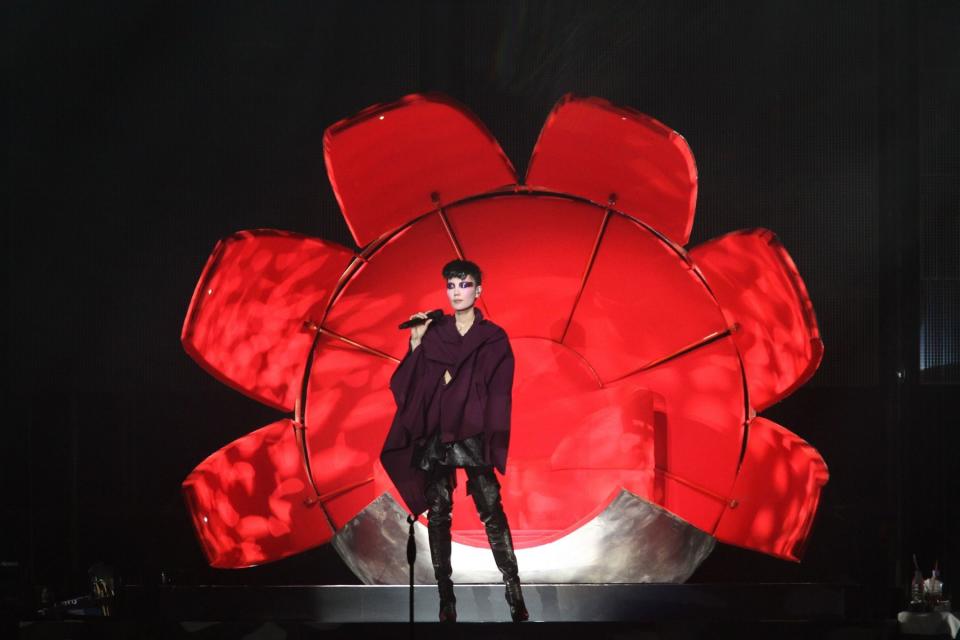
(462, 293)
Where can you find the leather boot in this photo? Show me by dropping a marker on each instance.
(439, 494)
(448, 601)
(485, 489)
(518, 609)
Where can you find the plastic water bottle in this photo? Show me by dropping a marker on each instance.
(933, 587)
(916, 588)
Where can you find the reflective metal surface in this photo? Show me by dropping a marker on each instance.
(631, 540)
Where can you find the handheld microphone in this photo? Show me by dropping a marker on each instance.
(436, 314)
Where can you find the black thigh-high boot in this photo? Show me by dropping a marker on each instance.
(483, 485)
(439, 494)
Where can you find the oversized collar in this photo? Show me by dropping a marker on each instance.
(452, 348)
(448, 327)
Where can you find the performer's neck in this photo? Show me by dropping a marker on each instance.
(464, 316)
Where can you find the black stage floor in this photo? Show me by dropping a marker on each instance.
(557, 611)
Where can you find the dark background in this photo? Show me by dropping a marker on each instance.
(138, 134)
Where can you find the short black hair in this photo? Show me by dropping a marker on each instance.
(461, 269)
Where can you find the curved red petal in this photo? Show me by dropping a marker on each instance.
(760, 289)
(348, 412)
(401, 278)
(641, 303)
(386, 162)
(592, 148)
(698, 429)
(245, 324)
(775, 497)
(251, 501)
(534, 252)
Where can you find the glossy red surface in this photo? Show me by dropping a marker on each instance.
(534, 253)
(349, 407)
(628, 367)
(698, 429)
(248, 500)
(775, 498)
(401, 278)
(592, 148)
(385, 162)
(245, 324)
(640, 303)
(760, 290)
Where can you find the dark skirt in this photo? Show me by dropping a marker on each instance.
(462, 453)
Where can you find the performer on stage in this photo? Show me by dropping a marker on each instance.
(453, 392)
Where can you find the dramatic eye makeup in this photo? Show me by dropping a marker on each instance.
(463, 285)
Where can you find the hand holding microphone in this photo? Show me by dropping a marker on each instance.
(418, 324)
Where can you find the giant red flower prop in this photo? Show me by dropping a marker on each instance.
(640, 366)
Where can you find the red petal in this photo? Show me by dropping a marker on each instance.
(641, 303)
(245, 324)
(759, 288)
(385, 162)
(349, 410)
(249, 500)
(533, 251)
(591, 148)
(776, 492)
(698, 430)
(399, 279)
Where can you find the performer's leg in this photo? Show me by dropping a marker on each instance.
(439, 494)
(483, 485)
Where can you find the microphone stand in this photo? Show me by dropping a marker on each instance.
(411, 559)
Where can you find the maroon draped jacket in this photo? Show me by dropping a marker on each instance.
(476, 400)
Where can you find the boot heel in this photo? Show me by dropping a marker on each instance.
(514, 597)
(448, 602)
(448, 612)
